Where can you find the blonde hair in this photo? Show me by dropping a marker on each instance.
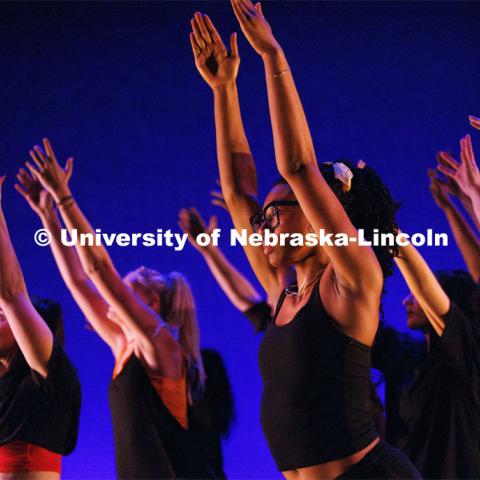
(177, 309)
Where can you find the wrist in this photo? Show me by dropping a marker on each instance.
(225, 87)
(473, 191)
(46, 216)
(274, 52)
(60, 194)
(206, 251)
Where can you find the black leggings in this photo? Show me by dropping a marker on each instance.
(381, 463)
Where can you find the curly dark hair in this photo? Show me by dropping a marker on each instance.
(368, 204)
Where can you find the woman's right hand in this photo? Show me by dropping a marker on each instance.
(37, 197)
(48, 172)
(440, 189)
(255, 26)
(216, 66)
(190, 221)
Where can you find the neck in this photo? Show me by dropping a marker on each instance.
(310, 268)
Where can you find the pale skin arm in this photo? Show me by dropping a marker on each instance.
(161, 352)
(31, 333)
(236, 165)
(424, 286)
(356, 268)
(467, 241)
(84, 292)
(236, 287)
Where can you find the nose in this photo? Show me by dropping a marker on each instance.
(262, 227)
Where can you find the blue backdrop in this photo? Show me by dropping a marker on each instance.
(114, 85)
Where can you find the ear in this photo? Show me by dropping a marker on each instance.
(154, 302)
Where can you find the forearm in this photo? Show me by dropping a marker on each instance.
(292, 140)
(468, 206)
(475, 198)
(31, 333)
(66, 258)
(466, 240)
(235, 161)
(92, 257)
(236, 287)
(424, 286)
(12, 282)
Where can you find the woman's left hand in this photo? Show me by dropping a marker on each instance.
(48, 172)
(465, 174)
(254, 26)
(474, 122)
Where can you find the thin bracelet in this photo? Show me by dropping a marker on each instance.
(67, 205)
(64, 199)
(277, 75)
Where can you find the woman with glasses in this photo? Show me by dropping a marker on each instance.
(161, 423)
(315, 355)
(40, 393)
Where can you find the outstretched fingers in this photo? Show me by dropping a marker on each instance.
(474, 122)
(214, 35)
(248, 6)
(195, 48)
(234, 44)
(242, 15)
(49, 150)
(445, 159)
(198, 34)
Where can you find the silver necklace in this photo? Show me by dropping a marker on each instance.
(290, 292)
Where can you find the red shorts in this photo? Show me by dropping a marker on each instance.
(26, 457)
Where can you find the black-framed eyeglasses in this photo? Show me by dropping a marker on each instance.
(270, 215)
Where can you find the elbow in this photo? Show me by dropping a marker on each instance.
(10, 294)
(290, 169)
(96, 267)
(76, 282)
(295, 164)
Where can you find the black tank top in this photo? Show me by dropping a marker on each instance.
(149, 442)
(315, 404)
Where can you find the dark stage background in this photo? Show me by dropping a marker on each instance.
(114, 84)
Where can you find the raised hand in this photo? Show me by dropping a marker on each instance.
(440, 189)
(474, 122)
(464, 174)
(191, 222)
(217, 197)
(254, 26)
(48, 172)
(216, 65)
(40, 201)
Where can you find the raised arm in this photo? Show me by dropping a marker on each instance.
(424, 286)
(238, 178)
(84, 292)
(236, 287)
(31, 333)
(137, 317)
(466, 239)
(356, 268)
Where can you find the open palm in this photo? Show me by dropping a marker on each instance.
(216, 65)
